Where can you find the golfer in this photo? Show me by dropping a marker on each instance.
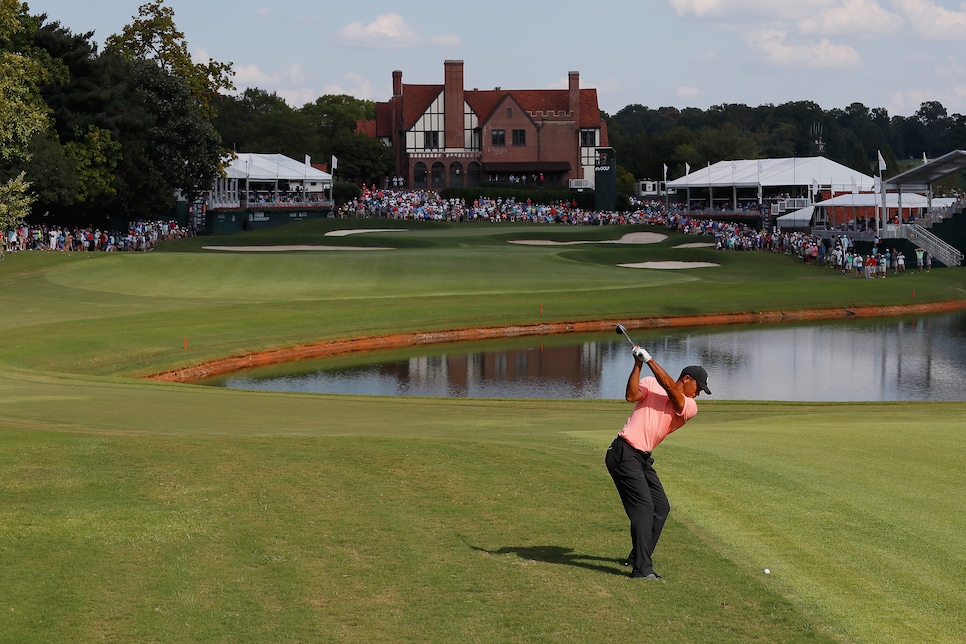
(662, 405)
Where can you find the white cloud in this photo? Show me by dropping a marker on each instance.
(688, 92)
(780, 52)
(201, 55)
(811, 17)
(264, 11)
(389, 31)
(952, 97)
(949, 67)
(932, 22)
(297, 98)
(357, 86)
(852, 17)
(758, 9)
(251, 76)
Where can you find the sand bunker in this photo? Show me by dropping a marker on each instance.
(269, 249)
(669, 265)
(629, 238)
(355, 231)
(695, 245)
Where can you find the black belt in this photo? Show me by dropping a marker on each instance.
(639, 451)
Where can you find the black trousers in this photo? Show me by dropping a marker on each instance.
(644, 501)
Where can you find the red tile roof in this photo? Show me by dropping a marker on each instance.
(366, 127)
(418, 98)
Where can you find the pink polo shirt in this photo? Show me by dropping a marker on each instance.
(654, 416)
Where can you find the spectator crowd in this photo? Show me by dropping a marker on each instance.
(140, 236)
(426, 205)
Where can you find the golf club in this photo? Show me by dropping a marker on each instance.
(621, 329)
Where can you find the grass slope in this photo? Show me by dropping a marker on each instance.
(150, 512)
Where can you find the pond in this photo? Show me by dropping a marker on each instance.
(887, 359)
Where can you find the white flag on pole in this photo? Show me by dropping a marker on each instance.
(335, 162)
(687, 168)
(308, 161)
(665, 172)
(882, 163)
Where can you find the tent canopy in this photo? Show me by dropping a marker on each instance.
(869, 199)
(921, 177)
(274, 167)
(800, 218)
(775, 173)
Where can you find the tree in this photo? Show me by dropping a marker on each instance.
(936, 126)
(14, 202)
(23, 113)
(52, 176)
(259, 121)
(154, 36)
(332, 119)
(167, 144)
(362, 158)
(95, 155)
(724, 143)
(859, 160)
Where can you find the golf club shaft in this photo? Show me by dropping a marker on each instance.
(623, 330)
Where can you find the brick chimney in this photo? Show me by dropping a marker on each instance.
(397, 83)
(574, 97)
(453, 103)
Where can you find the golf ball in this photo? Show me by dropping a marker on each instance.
(767, 572)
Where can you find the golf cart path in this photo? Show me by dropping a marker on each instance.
(342, 346)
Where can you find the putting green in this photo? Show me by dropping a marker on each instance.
(321, 275)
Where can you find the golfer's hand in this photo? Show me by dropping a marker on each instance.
(641, 354)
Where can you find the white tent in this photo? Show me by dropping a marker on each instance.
(801, 218)
(801, 172)
(265, 168)
(267, 174)
(870, 199)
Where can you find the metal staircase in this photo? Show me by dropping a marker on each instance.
(940, 250)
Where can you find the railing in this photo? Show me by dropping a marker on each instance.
(218, 202)
(940, 250)
(581, 184)
(937, 215)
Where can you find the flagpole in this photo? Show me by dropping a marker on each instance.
(687, 185)
(666, 204)
(882, 166)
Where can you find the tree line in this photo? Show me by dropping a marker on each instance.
(91, 133)
(646, 139)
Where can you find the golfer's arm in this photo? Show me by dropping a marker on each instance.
(669, 385)
(633, 391)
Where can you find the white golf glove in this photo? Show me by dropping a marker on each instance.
(641, 354)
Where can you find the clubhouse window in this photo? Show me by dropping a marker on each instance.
(519, 137)
(499, 138)
(431, 140)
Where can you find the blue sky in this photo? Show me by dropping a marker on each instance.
(679, 53)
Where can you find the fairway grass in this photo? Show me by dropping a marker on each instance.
(143, 511)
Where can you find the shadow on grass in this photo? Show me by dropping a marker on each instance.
(559, 555)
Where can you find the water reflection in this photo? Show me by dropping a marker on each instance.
(896, 359)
